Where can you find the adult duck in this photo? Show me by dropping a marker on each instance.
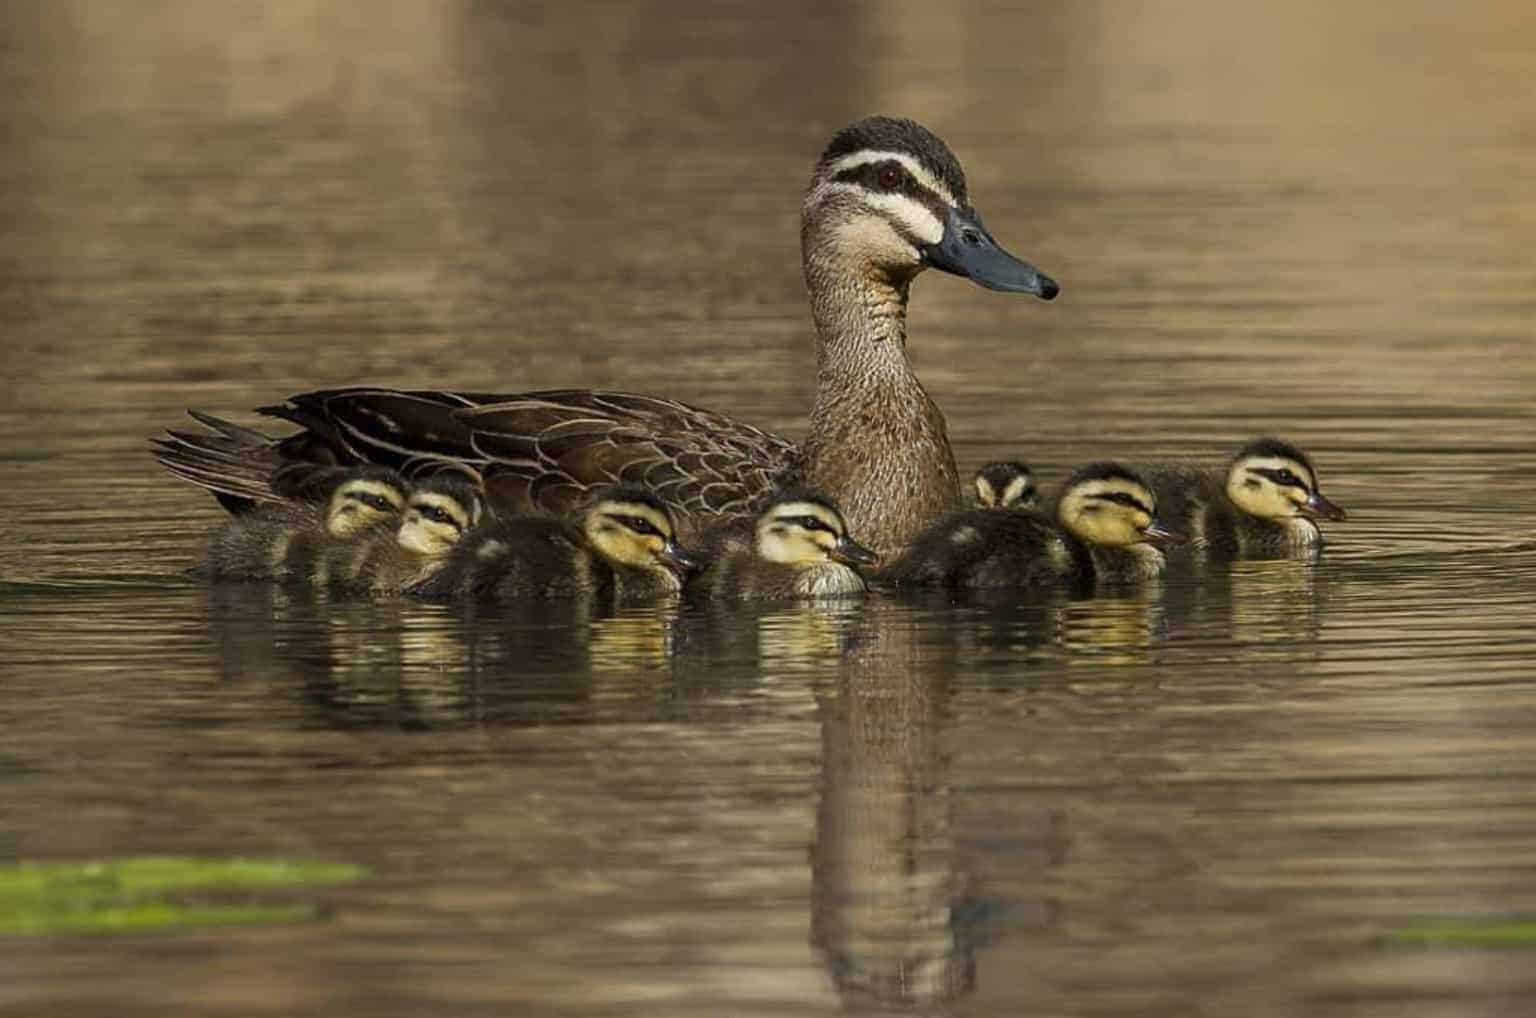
(887, 200)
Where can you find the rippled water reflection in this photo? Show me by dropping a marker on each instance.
(1223, 795)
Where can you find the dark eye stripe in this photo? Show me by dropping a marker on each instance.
(638, 524)
(868, 177)
(372, 501)
(1121, 498)
(1284, 478)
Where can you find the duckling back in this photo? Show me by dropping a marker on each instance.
(521, 557)
(987, 548)
(268, 542)
(287, 541)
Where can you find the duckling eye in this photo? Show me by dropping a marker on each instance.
(811, 523)
(640, 525)
(434, 514)
(1284, 476)
(378, 502)
(890, 178)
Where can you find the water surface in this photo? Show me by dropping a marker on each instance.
(1221, 796)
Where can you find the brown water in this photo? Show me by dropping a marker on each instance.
(1223, 797)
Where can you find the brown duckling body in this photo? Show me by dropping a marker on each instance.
(622, 546)
(283, 541)
(1265, 503)
(799, 548)
(1104, 530)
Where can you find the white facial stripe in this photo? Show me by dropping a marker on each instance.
(789, 509)
(918, 170)
(984, 493)
(1120, 487)
(645, 512)
(1280, 463)
(917, 218)
(388, 492)
(1015, 490)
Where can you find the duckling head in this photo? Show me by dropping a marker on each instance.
(363, 497)
(438, 513)
(1005, 485)
(1110, 506)
(887, 200)
(1274, 480)
(630, 526)
(803, 529)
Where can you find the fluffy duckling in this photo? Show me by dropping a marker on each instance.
(1005, 484)
(1105, 529)
(622, 544)
(1265, 504)
(386, 559)
(800, 548)
(282, 541)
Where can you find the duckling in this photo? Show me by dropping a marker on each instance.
(623, 544)
(1265, 504)
(1105, 529)
(282, 540)
(1005, 485)
(386, 559)
(800, 548)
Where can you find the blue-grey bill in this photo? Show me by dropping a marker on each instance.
(968, 250)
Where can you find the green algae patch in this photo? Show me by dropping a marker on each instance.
(151, 894)
(1489, 934)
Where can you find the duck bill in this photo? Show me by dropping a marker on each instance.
(851, 553)
(1160, 536)
(681, 560)
(1316, 507)
(968, 250)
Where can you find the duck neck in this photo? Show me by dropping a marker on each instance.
(861, 322)
(877, 442)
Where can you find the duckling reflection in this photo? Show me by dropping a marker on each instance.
(1106, 530)
(1005, 484)
(283, 541)
(622, 547)
(385, 560)
(800, 548)
(1264, 504)
(1123, 628)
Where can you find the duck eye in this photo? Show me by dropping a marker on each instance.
(889, 178)
(1286, 477)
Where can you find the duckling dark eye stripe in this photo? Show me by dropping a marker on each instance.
(1274, 475)
(1121, 498)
